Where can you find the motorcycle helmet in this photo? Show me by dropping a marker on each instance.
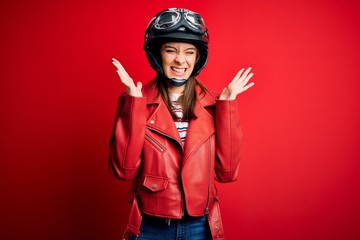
(176, 25)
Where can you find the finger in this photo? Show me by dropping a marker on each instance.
(248, 86)
(127, 81)
(246, 72)
(246, 80)
(236, 78)
(115, 62)
(118, 65)
(139, 85)
(123, 71)
(120, 68)
(242, 82)
(121, 75)
(239, 73)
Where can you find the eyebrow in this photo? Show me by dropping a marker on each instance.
(189, 48)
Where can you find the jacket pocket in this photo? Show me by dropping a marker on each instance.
(155, 183)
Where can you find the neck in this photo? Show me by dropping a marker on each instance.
(173, 89)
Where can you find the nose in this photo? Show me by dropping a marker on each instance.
(180, 58)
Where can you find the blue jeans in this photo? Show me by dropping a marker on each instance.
(187, 228)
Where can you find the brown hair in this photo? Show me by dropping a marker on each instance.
(187, 100)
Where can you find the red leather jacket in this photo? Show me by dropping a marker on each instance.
(167, 177)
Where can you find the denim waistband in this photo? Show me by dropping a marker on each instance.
(167, 221)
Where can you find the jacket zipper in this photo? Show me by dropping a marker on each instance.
(209, 171)
(167, 136)
(156, 144)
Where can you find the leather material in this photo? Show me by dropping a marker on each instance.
(170, 179)
(215, 221)
(135, 219)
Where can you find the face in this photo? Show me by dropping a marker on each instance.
(178, 59)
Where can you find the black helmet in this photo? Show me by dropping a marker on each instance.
(178, 25)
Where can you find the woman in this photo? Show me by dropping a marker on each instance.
(173, 138)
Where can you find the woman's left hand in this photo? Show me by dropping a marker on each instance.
(237, 85)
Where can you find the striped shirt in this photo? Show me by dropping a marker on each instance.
(182, 126)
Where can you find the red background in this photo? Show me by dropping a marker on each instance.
(299, 175)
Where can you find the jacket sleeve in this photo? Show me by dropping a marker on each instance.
(127, 138)
(229, 138)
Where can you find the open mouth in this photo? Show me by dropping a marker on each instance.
(178, 70)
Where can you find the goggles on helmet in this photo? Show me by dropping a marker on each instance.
(174, 18)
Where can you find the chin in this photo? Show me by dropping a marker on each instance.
(177, 77)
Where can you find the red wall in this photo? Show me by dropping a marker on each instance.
(299, 175)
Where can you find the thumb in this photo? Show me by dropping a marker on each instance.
(139, 85)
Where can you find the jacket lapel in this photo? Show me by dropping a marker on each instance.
(201, 128)
(160, 119)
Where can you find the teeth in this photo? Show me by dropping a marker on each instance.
(179, 70)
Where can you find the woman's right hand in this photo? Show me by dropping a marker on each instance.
(131, 88)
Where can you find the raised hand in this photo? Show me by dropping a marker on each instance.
(237, 85)
(131, 88)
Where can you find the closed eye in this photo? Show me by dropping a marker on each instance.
(170, 51)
